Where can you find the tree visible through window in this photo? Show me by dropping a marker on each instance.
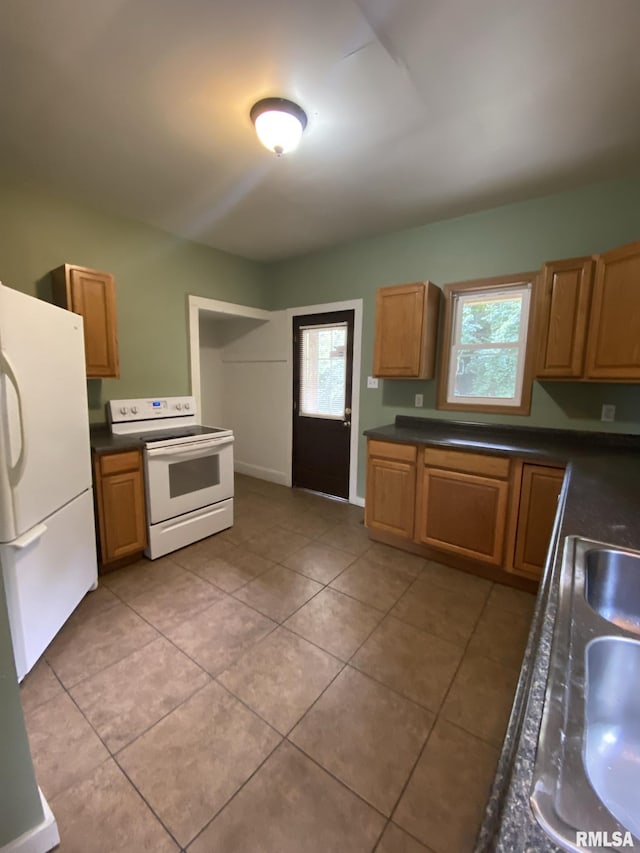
(488, 346)
(323, 370)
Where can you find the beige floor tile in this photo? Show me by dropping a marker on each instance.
(281, 677)
(142, 576)
(167, 606)
(292, 806)
(366, 735)
(216, 637)
(514, 600)
(320, 562)
(480, 698)
(307, 523)
(444, 801)
(104, 813)
(276, 544)
(190, 763)
(447, 613)
(227, 566)
(336, 622)
(127, 698)
(244, 529)
(455, 580)
(397, 559)
(501, 635)
(64, 747)
(96, 601)
(379, 586)
(347, 537)
(396, 840)
(39, 686)
(82, 649)
(421, 666)
(278, 592)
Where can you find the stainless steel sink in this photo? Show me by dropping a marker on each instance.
(612, 726)
(587, 769)
(613, 586)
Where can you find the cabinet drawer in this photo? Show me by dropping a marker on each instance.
(391, 450)
(470, 463)
(119, 463)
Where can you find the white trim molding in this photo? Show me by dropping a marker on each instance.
(354, 305)
(41, 838)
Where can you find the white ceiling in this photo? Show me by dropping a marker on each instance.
(418, 109)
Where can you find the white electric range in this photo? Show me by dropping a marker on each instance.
(188, 469)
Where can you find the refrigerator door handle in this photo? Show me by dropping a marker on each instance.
(29, 537)
(16, 471)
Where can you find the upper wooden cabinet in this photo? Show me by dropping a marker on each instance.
(564, 317)
(590, 318)
(536, 493)
(406, 331)
(613, 351)
(91, 294)
(391, 487)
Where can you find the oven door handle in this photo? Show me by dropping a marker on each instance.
(187, 451)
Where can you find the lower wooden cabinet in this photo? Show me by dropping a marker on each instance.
(119, 488)
(462, 503)
(490, 514)
(391, 488)
(539, 489)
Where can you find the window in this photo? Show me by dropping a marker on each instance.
(486, 362)
(323, 366)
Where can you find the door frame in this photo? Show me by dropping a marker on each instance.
(354, 305)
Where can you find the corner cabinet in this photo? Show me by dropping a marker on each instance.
(391, 487)
(536, 494)
(406, 331)
(462, 503)
(92, 295)
(120, 502)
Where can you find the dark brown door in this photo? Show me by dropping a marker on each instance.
(322, 368)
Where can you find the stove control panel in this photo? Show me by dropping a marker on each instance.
(150, 408)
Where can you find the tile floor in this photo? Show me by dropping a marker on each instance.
(286, 686)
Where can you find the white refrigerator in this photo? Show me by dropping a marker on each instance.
(47, 532)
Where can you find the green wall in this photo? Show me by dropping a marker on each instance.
(509, 239)
(154, 273)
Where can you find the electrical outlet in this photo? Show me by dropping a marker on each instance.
(608, 412)
(419, 400)
(372, 381)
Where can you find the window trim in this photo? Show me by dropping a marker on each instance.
(529, 279)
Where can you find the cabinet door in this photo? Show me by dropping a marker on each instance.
(539, 492)
(121, 504)
(391, 493)
(463, 513)
(566, 296)
(406, 330)
(613, 348)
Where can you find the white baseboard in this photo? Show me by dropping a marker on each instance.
(273, 476)
(357, 501)
(40, 839)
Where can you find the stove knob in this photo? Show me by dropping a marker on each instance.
(187, 406)
(134, 409)
(178, 406)
(123, 410)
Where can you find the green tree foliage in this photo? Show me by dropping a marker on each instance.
(488, 371)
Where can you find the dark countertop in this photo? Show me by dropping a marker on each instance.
(600, 500)
(103, 442)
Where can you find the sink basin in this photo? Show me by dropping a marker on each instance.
(612, 586)
(612, 726)
(587, 770)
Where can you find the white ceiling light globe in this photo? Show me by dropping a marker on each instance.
(279, 124)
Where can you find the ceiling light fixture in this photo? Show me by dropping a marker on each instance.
(279, 124)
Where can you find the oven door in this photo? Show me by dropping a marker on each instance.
(187, 476)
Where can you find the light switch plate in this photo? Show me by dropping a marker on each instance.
(372, 381)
